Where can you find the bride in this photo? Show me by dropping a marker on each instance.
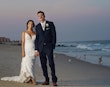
(28, 57)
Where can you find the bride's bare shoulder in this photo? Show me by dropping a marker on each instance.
(23, 33)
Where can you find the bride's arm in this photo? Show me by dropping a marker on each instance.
(23, 44)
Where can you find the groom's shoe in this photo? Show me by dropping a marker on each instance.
(45, 83)
(55, 84)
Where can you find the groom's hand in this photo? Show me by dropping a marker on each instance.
(37, 53)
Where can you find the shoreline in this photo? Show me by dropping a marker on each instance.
(97, 52)
(70, 58)
(88, 58)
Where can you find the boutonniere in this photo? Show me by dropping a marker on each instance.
(47, 26)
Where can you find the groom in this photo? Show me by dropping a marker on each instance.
(44, 46)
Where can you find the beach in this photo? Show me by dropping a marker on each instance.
(70, 71)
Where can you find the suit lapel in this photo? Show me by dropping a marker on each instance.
(40, 29)
(45, 26)
(41, 26)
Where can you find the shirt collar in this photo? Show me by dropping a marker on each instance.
(43, 22)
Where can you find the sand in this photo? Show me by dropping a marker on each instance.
(70, 71)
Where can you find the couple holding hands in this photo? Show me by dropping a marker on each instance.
(39, 43)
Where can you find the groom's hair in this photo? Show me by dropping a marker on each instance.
(41, 12)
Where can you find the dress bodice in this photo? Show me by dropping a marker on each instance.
(29, 44)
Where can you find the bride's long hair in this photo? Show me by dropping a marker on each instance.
(32, 23)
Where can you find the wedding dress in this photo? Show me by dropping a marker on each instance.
(28, 62)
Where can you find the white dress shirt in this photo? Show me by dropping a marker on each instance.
(43, 25)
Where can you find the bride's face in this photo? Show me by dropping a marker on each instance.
(30, 25)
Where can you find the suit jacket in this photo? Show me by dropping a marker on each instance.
(45, 38)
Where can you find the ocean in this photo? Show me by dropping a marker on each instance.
(96, 52)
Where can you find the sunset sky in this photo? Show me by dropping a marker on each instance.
(75, 20)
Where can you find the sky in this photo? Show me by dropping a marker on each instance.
(75, 20)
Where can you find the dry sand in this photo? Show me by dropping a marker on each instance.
(74, 73)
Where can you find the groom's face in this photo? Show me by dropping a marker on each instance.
(41, 17)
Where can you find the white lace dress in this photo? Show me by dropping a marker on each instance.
(27, 64)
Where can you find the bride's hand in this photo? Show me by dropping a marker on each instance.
(23, 55)
(36, 53)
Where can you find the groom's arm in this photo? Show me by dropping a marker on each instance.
(53, 31)
(36, 41)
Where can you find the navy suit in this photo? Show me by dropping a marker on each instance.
(45, 43)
